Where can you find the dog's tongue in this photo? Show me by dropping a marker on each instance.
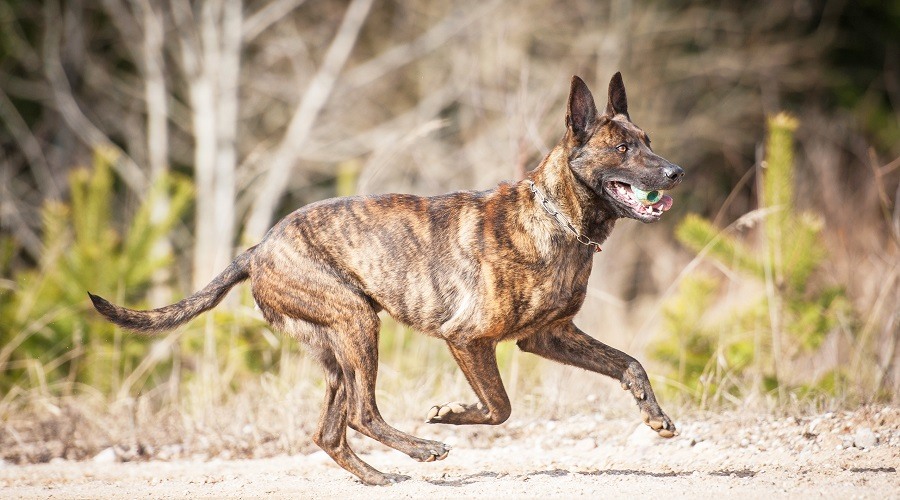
(665, 203)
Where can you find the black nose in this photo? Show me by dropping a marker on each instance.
(673, 172)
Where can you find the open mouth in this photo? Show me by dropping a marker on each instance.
(645, 205)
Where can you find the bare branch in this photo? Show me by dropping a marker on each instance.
(30, 146)
(128, 27)
(403, 54)
(273, 12)
(12, 218)
(297, 134)
(427, 108)
(71, 112)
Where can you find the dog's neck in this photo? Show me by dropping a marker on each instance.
(590, 213)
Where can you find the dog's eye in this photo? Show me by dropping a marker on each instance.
(622, 148)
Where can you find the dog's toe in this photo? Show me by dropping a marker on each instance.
(658, 421)
(429, 451)
(396, 478)
(381, 479)
(438, 412)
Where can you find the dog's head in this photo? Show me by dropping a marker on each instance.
(612, 156)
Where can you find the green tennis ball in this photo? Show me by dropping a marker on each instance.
(647, 197)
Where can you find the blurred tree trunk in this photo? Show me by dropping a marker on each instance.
(156, 96)
(210, 58)
(155, 91)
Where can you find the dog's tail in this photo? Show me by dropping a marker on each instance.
(171, 316)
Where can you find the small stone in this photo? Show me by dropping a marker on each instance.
(642, 437)
(864, 438)
(107, 456)
(815, 423)
(703, 445)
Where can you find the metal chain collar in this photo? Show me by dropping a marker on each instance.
(563, 221)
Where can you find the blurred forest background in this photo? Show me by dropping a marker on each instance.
(143, 143)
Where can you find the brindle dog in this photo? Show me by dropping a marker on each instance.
(473, 268)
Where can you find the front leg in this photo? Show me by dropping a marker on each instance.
(569, 345)
(478, 361)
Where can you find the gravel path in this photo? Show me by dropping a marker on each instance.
(834, 455)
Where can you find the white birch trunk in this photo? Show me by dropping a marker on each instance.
(212, 70)
(156, 97)
(155, 91)
(226, 122)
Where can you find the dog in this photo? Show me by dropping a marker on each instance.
(473, 268)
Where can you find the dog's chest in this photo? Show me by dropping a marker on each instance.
(545, 296)
(512, 299)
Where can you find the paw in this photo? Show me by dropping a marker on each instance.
(466, 414)
(439, 413)
(431, 451)
(382, 479)
(659, 422)
(434, 455)
(635, 382)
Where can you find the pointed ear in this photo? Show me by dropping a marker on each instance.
(581, 111)
(618, 102)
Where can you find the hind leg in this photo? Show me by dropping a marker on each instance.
(322, 311)
(331, 434)
(358, 359)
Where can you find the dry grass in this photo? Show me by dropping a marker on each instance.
(275, 413)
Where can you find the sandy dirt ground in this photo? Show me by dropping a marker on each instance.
(832, 455)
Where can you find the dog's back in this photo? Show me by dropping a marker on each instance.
(447, 265)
